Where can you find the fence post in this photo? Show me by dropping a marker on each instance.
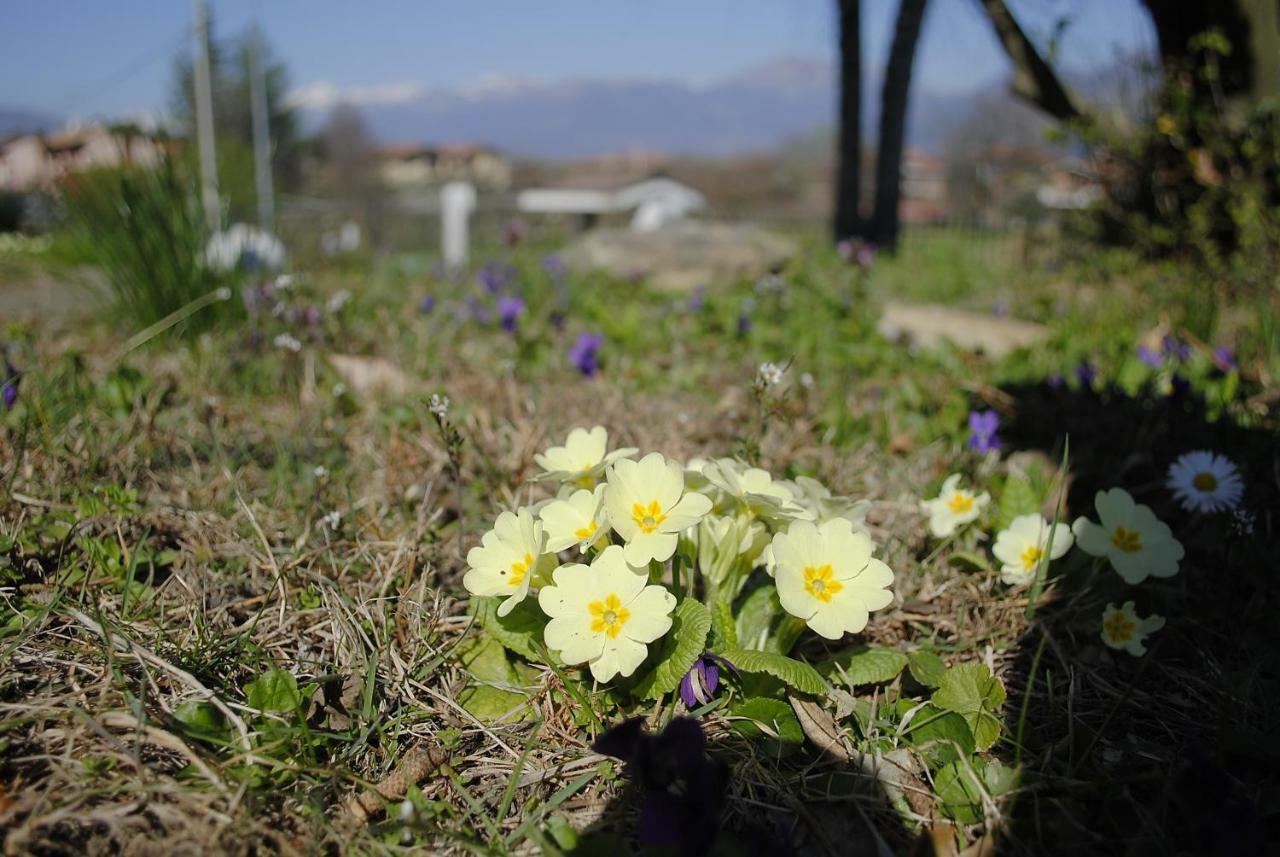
(457, 201)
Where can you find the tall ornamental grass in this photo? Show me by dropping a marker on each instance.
(147, 232)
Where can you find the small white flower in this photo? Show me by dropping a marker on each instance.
(338, 300)
(953, 507)
(827, 576)
(577, 520)
(604, 615)
(753, 490)
(1137, 543)
(332, 520)
(1205, 482)
(1025, 544)
(770, 374)
(1122, 629)
(582, 459)
(438, 405)
(1243, 521)
(287, 342)
(508, 559)
(339, 390)
(806, 380)
(406, 811)
(320, 472)
(284, 281)
(649, 507)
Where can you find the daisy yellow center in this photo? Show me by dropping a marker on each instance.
(1129, 541)
(647, 518)
(608, 616)
(960, 503)
(1031, 557)
(820, 583)
(1118, 627)
(588, 531)
(520, 569)
(1205, 482)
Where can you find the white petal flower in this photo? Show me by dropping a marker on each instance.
(769, 374)
(578, 519)
(1023, 546)
(1137, 543)
(1205, 482)
(648, 506)
(827, 576)
(1123, 629)
(605, 614)
(953, 507)
(820, 505)
(753, 490)
(582, 459)
(508, 559)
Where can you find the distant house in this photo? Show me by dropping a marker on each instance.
(648, 203)
(413, 166)
(38, 161)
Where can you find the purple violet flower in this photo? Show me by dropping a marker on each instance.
(496, 276)
(1224, 359)
(1055, 380)
(698, 687)
(698, 299)
(1176, 348)
(982, 427)
(554, 266)
(1085, 374)
(427, 304)
(12, 378)
(1150, 357)
(585, 353)
(510, 308)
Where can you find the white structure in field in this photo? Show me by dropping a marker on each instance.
(457, 201)
(653, 202)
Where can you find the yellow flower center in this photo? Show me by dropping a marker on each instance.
(608, 616)
(960, 503)
(1031, 557)
(588, 531)
(820, 583)
(1205, 482)
(1118, 627)
(1129, 541)
(647, 518)
(586, 480)
(519, 570)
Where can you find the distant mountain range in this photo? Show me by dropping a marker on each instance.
(17, 120)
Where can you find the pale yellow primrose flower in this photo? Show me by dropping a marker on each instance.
(820, 505)
(1131, 536)
(1122, 629)
(604, 615)
(649, 508)
(953, 507)
(826, 576)
(753, 490)
(726, 542)
(582, 459)
(1022, 546)
(508, 559)
(578, 519)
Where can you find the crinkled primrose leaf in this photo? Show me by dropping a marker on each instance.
(798, 675)
(864, 665)
(687, 639)
(771, 717)
(971, 691)
(274, 690)
(520, 630)
(926, 667)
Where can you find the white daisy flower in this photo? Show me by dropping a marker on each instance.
(1025, 544)
(1123, 629)
(826, 576)
(582, 459)
(1205, 482)
(649, 507)
(578, 519)
(508, 559)
(953, 507)
(604, 615)
(1131, 536)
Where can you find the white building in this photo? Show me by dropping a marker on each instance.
(650, 202)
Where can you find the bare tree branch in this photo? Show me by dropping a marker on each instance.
(1033, 79)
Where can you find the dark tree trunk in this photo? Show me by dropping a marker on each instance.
(1252, 69)
(893, 123)
(849, 147)
(1033, 79)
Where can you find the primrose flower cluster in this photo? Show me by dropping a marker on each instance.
(625, 539)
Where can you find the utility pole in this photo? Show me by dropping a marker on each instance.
(204, 120)
(261, 131)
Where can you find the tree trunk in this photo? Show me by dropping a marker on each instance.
(893, 123)
(849, 146)
(1252, 69)
(1033, 79)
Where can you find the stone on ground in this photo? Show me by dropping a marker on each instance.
(930, 325)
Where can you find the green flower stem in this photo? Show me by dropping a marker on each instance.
(789, 630)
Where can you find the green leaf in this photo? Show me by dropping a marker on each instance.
(864, 665)
(687, 639)
(960, 787)
(274, 690)
(968, 561)
(1017, 498)
(757, 616)
(723, 625)
(773, 714)
(799, 675)
(940, 736)
(202, 719)
(520, 630)
(493, 696)
(971, 691)
(926, 667)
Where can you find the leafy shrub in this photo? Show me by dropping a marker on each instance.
(148, 233)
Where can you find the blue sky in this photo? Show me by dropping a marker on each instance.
(81, 58)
